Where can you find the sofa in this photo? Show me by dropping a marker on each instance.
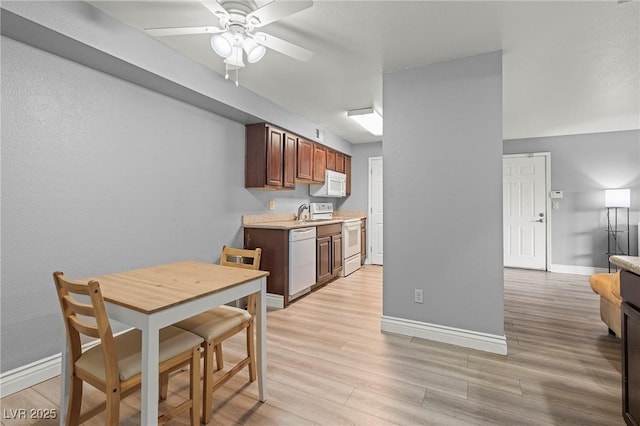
(607, 286)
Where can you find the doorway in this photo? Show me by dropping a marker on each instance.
(375, 211)
(526, 218)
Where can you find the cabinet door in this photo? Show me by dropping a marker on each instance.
(305, 159)
(338, 258)
(275, 155)
(347, 171)
(319, 162)
(323, 266)
(339, 162)
(363, 239)
(290, 143)
(331, 159)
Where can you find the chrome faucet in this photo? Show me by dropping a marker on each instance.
(300, 210)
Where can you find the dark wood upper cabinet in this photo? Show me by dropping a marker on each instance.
(319, 162)
(270, 157)
(290, 148)
(331, 159)
(275, 156)
(276, 159)
(340, 162)
(347, 171)
(305, 160)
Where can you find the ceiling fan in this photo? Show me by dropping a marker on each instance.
(236, 31)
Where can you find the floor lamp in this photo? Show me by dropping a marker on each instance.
(614, 200)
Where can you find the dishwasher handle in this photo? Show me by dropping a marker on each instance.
(302, 234)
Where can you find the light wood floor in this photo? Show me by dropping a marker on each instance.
(328, 364)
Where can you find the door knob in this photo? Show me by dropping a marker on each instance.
(539, 220)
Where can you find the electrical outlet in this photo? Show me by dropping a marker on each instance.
(418, 295)
(272, 205)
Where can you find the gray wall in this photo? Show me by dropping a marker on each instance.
(583, 166)
(99, 174)
(361, 153)
(443, 193)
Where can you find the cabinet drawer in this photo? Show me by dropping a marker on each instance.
(630, 288)
(325, 230)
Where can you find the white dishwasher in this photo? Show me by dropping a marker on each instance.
(302, 261)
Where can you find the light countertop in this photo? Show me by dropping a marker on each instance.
(288, 220)
(630, 263)
(291, 224)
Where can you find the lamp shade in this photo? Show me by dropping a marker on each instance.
(617, 197)
(222, 44)
(255, 51)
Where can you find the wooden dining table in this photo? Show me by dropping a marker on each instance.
(152, 298)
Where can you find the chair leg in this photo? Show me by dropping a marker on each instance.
(251, 352)
(219, 357)
(164, 386)
(207, 397)
(112, 412)
(194, 387)
(75, 401)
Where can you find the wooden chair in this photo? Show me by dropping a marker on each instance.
(113, 366)
(217, 325)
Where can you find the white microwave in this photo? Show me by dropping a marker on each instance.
(335, 185)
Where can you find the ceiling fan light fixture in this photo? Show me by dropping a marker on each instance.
(254, 51)
(222, 44)
(234, 60)
(368, 118)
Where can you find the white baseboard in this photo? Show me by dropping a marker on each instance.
(275, 301)
(29, 375)
(439, 333)
(578, 270)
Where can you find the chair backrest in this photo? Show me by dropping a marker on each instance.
(241, 258)
(99, 327)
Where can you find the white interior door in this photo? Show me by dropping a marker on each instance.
(524, 212)
(375, 211)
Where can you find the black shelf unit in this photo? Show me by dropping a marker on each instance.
(615, 231)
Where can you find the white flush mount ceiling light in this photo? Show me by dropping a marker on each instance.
(367, 118)
(235, 34)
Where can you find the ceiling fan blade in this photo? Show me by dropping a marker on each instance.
(276, 10)
(215, 8)
(158, 32)
(283, 46)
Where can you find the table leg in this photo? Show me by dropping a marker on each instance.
(261, 339)
(150, 376)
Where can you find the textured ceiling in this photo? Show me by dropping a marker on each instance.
(568, 67)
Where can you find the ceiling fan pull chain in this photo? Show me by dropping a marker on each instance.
(237, 77)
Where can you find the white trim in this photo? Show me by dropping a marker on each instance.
(275, 301)
(547, 178)
(28, 375)
(456, 336)
(369, 208)
(575, 269)
(20, 378)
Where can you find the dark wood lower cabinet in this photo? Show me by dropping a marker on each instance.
(630, 293)
(275, 257)
(323, 264)
(338, 255)
(329, 253)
